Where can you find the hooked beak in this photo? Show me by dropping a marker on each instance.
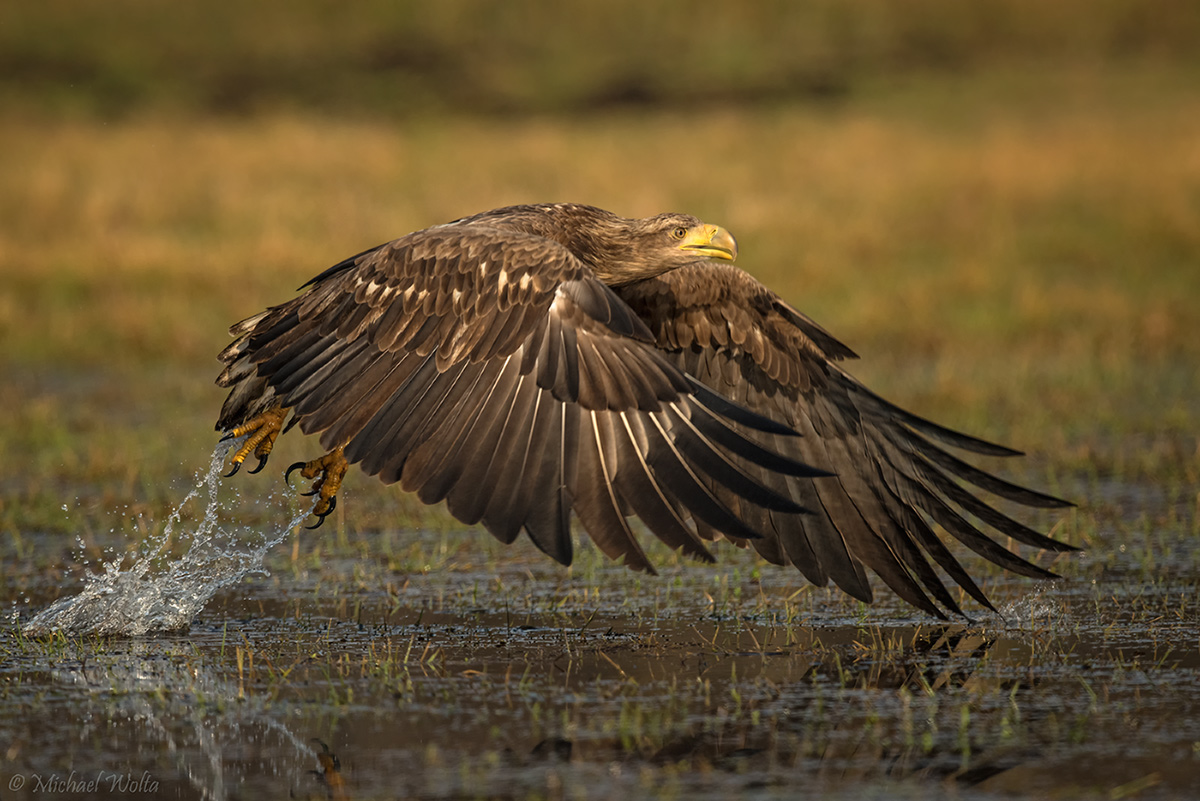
(711, 241)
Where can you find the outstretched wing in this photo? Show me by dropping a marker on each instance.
(489, 368)
(892, 476)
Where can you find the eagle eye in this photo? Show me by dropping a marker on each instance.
(678, 232)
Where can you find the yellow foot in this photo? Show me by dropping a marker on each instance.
(331, 469)
(263, 430)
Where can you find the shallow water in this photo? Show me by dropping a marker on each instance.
(466, 670)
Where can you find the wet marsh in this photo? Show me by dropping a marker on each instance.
(462, 670)
(1025, 272)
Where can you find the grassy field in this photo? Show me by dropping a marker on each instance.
(1025, 268)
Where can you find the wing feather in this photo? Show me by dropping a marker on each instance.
(648, 500)
(435, 464)
(548, 523)
(528, 432)
(890, 477)
(595, 497)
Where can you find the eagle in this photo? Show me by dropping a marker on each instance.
(537, 362)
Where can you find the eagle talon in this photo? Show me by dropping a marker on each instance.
(287, 474)
(322, 515)
(260, 432)
(328, 470)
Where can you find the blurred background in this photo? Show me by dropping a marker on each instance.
(400, 59)
(996, 203)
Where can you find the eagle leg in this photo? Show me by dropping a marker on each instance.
(263, 430)
(329, 470)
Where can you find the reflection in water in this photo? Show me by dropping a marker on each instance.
(157, 593)
(826, 709)
(330, 773)
(149, 709)
(468, 704)
(840, 747)
(213, 719)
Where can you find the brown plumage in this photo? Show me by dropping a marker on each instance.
(533, 361)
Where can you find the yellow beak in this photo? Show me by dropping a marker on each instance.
(712, 241)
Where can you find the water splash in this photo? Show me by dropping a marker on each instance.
(1039, 609)
(155, 593)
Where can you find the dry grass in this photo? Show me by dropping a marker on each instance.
(1044, 226)
(1026, 269)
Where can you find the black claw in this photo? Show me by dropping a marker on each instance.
(236, 467)
(321, 517)
(262, 462)
(287, 473)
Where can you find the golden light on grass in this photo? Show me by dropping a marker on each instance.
(999, 267)
(857, 212)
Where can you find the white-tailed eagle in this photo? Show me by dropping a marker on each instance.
(533, 361)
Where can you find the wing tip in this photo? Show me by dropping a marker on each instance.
(736, 412)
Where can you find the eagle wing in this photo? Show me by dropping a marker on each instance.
(489, 368)
(892, 476)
